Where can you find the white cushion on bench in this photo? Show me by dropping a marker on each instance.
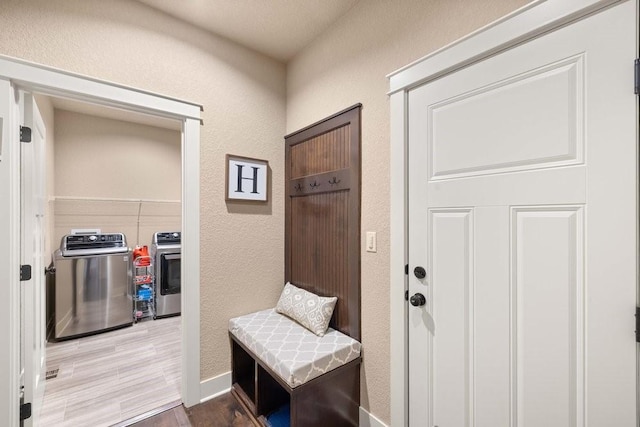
(289, 349)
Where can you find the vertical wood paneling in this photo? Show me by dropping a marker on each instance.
(319, 262)
(322, 243)
(323, 153)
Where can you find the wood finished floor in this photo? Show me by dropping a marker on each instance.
(112, 377)
(223, 411)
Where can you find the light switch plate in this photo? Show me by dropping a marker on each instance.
(371, 243)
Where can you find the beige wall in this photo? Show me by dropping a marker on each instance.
(243, 94)
(117, 176)
(99, 157)
(347, 65)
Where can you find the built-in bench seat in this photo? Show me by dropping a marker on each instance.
(289, 349)
(277, 362)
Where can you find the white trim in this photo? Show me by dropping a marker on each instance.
(526, 23)
(369, 420)
(53, 81)
(398, 258)
(523, 24)
(216, 386)
(10, 258)
(49, 81)
(190, 263)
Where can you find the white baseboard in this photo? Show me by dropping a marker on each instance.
(369, 420)
(214, 387)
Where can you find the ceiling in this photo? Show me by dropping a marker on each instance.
(277, 28)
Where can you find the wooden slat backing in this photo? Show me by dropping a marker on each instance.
(325, 152)
(322, 223)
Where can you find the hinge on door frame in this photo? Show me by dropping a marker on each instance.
(637, 324)
(25, 272)
(25, 411)
(406, 272)
(25, 134)
(637, 77)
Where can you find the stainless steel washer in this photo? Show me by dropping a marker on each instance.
(92, 285)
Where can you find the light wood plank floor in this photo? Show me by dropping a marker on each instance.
(114, 376)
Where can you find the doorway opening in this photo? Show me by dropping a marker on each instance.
(113, 363)
(34, 78)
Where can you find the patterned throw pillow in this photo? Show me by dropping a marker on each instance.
(310, 310)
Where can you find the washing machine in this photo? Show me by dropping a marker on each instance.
(92, 291)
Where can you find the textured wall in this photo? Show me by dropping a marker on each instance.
(243, 94)
(347, 65)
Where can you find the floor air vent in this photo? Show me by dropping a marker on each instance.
(52, 374)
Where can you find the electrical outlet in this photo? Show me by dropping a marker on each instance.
(371, 244)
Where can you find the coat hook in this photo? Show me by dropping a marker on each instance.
(314, 185)
(298, 187)
(334, 182)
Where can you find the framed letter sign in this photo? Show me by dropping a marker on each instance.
(246, 179)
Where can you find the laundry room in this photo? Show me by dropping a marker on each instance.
(113, 298)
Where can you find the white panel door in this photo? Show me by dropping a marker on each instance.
(32, 156)
(522, 212)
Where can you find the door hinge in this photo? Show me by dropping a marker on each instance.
(406, 269)
(25, 272)
(25, 411)
(637, 324)
(637, 76)
(25, 134)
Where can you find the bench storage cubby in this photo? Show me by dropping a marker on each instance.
(276, 362)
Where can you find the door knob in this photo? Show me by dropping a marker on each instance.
(417, 300)
(420, 272)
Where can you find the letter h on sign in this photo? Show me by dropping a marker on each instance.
(241, 177)
(246, 179)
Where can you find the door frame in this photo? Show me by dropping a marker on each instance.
(41, 79)
(528, 22)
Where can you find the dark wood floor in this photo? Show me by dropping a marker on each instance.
(223, 411)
